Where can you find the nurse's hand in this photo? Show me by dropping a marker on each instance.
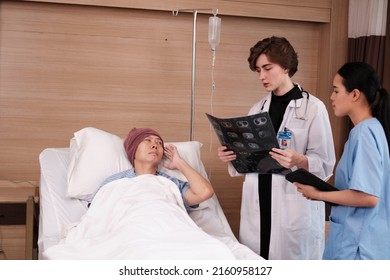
(226, 155)
(307, 191)
(289, 158)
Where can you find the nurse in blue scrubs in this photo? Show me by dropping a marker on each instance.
(360, 223)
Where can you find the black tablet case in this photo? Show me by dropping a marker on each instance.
(305, 177)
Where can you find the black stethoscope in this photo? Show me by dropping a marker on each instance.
(304, 116)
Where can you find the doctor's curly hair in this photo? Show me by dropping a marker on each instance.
(278, 50)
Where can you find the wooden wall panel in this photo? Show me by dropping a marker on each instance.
(67, 67)
(301, 10)
(332, 57)
(64, 67)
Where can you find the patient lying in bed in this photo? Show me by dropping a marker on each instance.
(141, 213)
(145, 150)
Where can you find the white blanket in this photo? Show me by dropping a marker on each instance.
(139, 218)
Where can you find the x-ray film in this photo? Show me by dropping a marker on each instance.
(251, 138)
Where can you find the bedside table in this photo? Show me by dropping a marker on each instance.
(18, 203)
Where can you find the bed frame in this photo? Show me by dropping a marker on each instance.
(32, 212)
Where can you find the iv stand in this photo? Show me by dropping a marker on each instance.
(195, 13)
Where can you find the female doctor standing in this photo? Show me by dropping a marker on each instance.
(276, 221)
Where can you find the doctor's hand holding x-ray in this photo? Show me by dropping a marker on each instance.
(289, 158)
(276, 221)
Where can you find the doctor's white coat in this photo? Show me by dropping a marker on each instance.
(297, 224)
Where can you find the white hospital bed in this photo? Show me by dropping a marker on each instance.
(61, 208)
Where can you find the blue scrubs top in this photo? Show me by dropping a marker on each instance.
(362, 232)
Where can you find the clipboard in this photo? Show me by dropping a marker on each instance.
(305, 177)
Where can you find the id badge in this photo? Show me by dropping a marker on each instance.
(284, 139)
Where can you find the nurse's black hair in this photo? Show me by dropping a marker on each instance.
(362, 76)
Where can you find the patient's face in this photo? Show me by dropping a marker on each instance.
(150, 150)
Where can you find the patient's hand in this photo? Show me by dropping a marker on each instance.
(199, 189)
(171, 153)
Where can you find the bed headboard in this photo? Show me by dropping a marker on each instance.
(65, 66)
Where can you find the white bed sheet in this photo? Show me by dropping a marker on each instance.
(58, 212)
(138, 218)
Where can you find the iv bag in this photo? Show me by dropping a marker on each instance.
(214, 31)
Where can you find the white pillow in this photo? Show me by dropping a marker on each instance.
(96, 154)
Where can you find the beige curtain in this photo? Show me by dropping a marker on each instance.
(367, 32)
(386, 69)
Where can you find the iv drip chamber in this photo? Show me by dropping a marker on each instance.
(214, 31)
